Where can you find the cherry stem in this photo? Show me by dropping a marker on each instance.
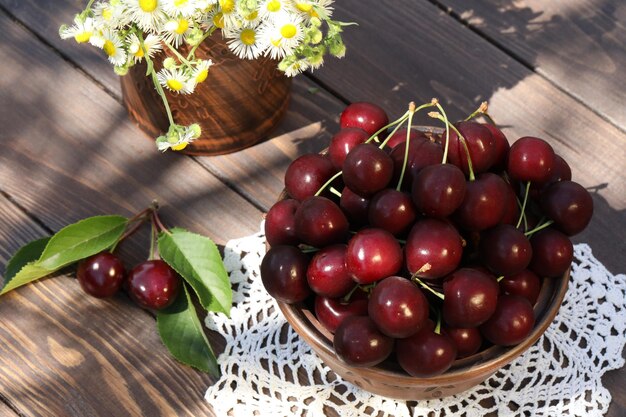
(500, 278)
(538, 228)
(389, 136)
(438, 116)
(335, 191)
(407, 143)
(346, 298)
(438, 327)
(447, 145)
(153, 240)
(157, 222)
(327, 183)
(423, 284)
(522, 214)
(309, 249)
(482, 109)
(382, 129)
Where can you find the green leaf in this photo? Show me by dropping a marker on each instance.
(81, 240)
(24, 255)
(29, 272)
(198, 261)
(182, 333)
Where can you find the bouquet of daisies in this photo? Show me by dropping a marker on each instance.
(297, 33)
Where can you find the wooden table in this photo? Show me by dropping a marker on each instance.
(67, 151)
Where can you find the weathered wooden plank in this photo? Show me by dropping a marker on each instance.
(70, 152)
(6, 411)
(577, 44)
(64, 353)
(426, 54)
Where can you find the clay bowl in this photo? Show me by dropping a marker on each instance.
(389, 380)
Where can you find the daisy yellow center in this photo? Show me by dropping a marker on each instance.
(180, 146)
(107, 14)
(201, 77)
(82, 37)
(288, 31)
(179, 3)
(139, 53)
(273, 6)
(248, 37)
(218, 20)
(304, 7)
(174, 84)
(227, 6)
(148, 5)
(252, 15)
(109, 48)
(183, 25)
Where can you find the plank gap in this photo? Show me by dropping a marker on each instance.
(63, 56)
(30, 216)
(4, 400)
(517, 57)
(323, 86)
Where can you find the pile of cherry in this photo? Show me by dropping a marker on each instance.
(429, 251)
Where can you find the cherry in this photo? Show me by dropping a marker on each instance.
(358, 342)
(307, 174)
(511, 323)
(320, 222)
(501, 145)
(367, 116)
(283, 273)
(422, 153)
(280, 223)
(470, 297)
(400, 137)
(482, 206)
(505, 250)
(530, 159)
(480, 143)
(343, 142)
(398, 307)
(436, 244)
(354, 206)
(425, 353)
(561, 170)
(438, 190)
(373, 254)
(332, 311)
(153, 284)
(392, 210)
(327, 274)
(553, 253)
(101, 275)
(524, 284)
(569, 205)
(367, 169)
(511, 208)
(467, 340)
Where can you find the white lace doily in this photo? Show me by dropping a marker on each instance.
(559, 375)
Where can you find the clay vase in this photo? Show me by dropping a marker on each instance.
(240, 102)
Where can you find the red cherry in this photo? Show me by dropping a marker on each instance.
(101, 275)
(367, 169)
(283, 273)
(358, 342)
(364, 115)
(373, 254)
(332, 311)
(511, 323)
(425, 353)
(153, 284)
(307, 174)
(553, 253)
(530, 159)
(280, 223)
(327, 274)
(480, 143)
(434, 243)
(320, 222)
(466, 340)
(524, 284)
(569, 205)
(470, 297)
(343, 142)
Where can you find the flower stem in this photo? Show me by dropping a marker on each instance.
(159, 89)
(521, 216)
(181, 58)
(191, 54)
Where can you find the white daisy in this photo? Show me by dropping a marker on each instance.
(176, 29)
(282, 36)
(148, 14)
(245, 42)
(151, 45)
(175, 80)
(81, 31)
(314, 8)
(114, 48)
(178, 137)
(109, 15)
(186, 8)
(229, 17)
(271, 10)
(201, 71)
